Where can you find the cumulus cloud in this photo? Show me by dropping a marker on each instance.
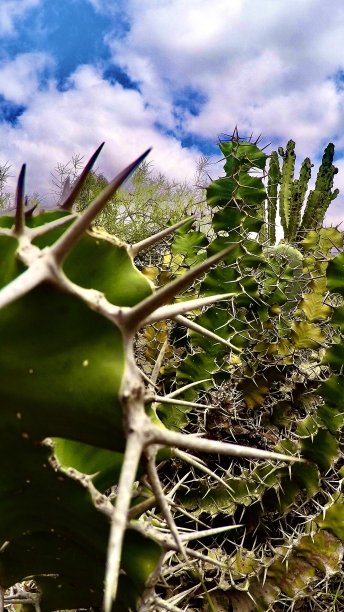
(58, 124)
(269, 68)
(201, 67)
(11, 11)
(21, 77)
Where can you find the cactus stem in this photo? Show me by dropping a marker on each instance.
(63, 246)
(171, 311)
(133, 318)
(19, 203)
(205, 332)
(71, 194)
(135, 249)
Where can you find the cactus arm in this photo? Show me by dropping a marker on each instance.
(274, 177)
(299, 190)
(70, 195)
(321, 196)
(286, 184)
(113, 385)
(19, 204)
(135, 249)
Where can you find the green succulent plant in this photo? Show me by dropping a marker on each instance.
(78, 415)
(274, 380)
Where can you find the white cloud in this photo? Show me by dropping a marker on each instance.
(56, 125)
(11, 11)
(20, 78)
(264, 66)
(268, 67)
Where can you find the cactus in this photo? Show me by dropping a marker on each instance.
(248, 330)
(272, 393)
(298, 195)
(274, 177)
(286, 184)
(76, 412)
(320, 198)
(291, 193)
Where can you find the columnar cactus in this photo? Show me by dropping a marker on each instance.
(291, 193)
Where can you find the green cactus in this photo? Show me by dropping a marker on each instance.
(81, 418)
(274, 177)
(298, 195)
(268, 394)
(320, 198)
(287, 178)
(292, 192)
(75, 404)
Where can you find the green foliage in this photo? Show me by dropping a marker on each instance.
(4, 176)
(149, 202)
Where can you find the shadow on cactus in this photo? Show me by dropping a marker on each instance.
(75, 406)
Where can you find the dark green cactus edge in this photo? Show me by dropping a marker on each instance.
(73, 400)
(277, 394)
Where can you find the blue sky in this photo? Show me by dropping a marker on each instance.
(172, 74)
